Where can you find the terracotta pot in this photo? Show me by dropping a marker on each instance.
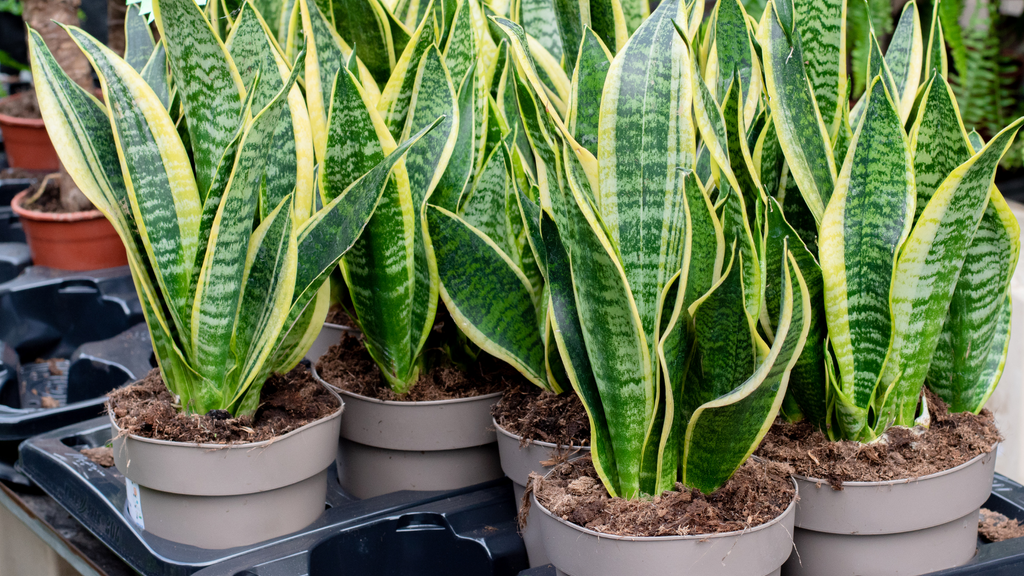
(577, 551)
(218, 496)
(71, 241)
(27, 143)
(892, 528)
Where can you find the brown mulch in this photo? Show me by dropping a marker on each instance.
(995, 527)
(338, 315)
(287, 402)
(103, 455)
(951, 440)
(22, 105)
(539, 415)
(349, 366)
(758, 493)
(48, 201)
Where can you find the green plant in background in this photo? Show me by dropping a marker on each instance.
(915, 244)
(228, 252)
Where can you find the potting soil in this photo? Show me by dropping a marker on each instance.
(535, 414)
(146, 408)
(758, 493)
(22, 105)
(951, 440)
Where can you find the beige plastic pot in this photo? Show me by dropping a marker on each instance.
(895, 528)
(576, 551)
(389, 446)
(218, 496)
(518, 461)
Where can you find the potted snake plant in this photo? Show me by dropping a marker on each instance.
(655, 276)
(417, 420)
(912, 249)
(212, 194)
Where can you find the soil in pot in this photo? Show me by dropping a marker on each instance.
(288, 402)
(47, 201)
(758, 493)
(951, 440)
(21, 105)
(338, 315)
(538, 415)
(348, 365)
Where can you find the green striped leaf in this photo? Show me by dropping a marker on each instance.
(802, 132)
(865, 226)
(265, 294)
(138, 39)
(153, 160)
(572, 346)
(593, 62)
(736, 230)
(539, 19)
(487, 294)
(644, 139)
(938, 140)
(710, 456)
(807, 381)
(822, 27)
(155, 74)
(926, 276)
(904, 57)
(460, 53)
(456, 177)
(366, 25)
(484, 207)
(732, 53)
(635, 12)
(211, 89)
(935, 57)
(877, 66)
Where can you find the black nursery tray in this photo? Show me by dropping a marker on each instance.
(14, 253)
(993, 558)
(92, 321)
(463, 532)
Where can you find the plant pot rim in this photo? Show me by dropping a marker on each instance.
(236, 445)
(789, 510)
(50, 216)
(16, 121)
(540, 443)
(875, 484)
(353, 395)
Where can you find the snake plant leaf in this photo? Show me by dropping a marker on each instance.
(487, 294)
(739, 149)
(807, 380)
(801, 130)
(331, 232)
(736, 230)
(569, 337)
(540, 20)
(614, 336)
(209, 84)
(167, 215)
(822, 28)
(768, 159)
(712, 127)
(356, 138)
(748, 411)
(272, 12)
(935, 57)
(460, 53)
(138, 39)
(266, 292)
(215, 309)
(732, 53)
(977, 142)
(155, 74)
(568, 17)
(645, 137)
(635, 13)
(938, 140)
(904, 57)
(588, 78)
(926, 276)
(457, 174)
(864, 228)
(878, 66)
(396, 96)
(972, 347)
(366, 24)
(289, 168)
(485, 206)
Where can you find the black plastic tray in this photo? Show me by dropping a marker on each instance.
(993, 558)
(470, 531)
(94, 320)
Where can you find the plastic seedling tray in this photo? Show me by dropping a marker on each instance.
(86, 328)
(993, 558)
(469, 531)
(14, 252)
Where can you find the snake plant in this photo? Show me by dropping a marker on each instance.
(654, 276)
(916, 246)
(213, 199)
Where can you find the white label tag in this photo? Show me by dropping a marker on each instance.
(134, 503)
